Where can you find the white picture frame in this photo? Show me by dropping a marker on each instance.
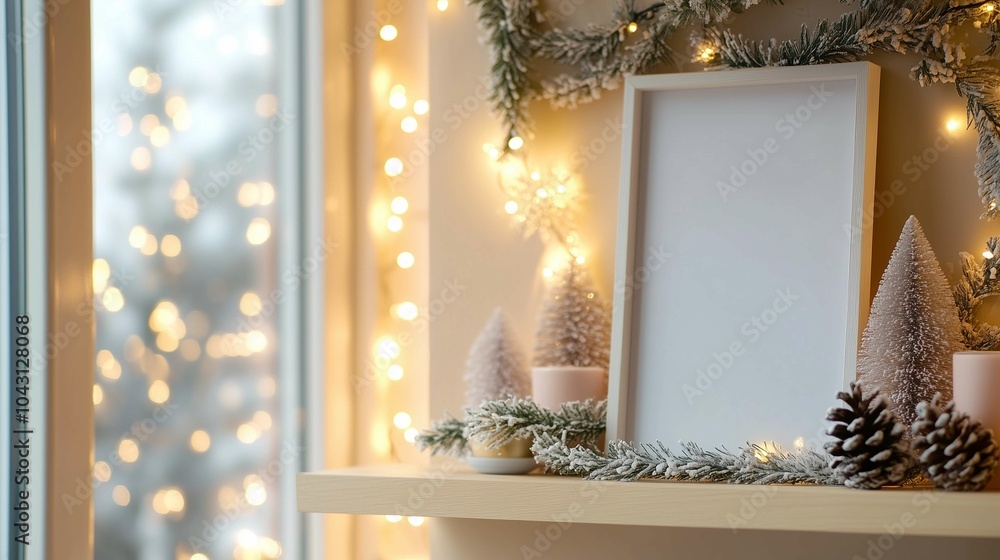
(746, 195)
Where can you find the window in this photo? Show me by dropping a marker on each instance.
(199, 278)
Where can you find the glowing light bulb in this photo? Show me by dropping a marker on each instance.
(387, 348)
(200, 441)
(160, 136)
(258, 231)
(409, 124)
(442, 5)
(170, 246)
(420, 107)
(510, 207)
(542, 193)
(394, 224)
(247, 433)
(633, 27)
(100, 274)
(399, 205)
(250, 304)
(491, 151)
(256, 494)
(128, 450)
(113, 299)
(248, 195)
(121, 495)
(405, 260)
(706, 54)
(761, 454)
(98, 394)
(415, 521)
(402, 420)
(148, 124)
(987, 254)
(137, 77)
(394, 518)
(581, 259)
(175, 105)
(410, 435)
(536, 176)
(153, 83)
(388, 32)
(395, 372)
(159, 391)
(407, 311)
(515, 143)
(141, 158)
(953, 125)
(393, 167)
(397, 97)
(547, 272)
(989, 8)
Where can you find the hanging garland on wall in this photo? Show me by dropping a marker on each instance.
(634, 41)
(979, 281)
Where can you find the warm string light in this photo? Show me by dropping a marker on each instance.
(404, 110)
(538, 202)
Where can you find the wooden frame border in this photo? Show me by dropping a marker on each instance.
(866, 120)
(70, 429)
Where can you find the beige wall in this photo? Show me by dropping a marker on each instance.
(472, 241)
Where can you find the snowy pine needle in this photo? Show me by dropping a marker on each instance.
(498, 422)
(627, 462)
(978, 282)
(598, 57)
(445, 437)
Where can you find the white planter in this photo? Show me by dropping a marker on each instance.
(552, 386)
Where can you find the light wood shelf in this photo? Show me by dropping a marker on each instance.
(452, 490)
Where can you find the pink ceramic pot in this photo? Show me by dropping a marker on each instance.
(552, 386)
(977, 392)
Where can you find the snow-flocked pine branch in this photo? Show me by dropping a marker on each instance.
(628, 462)
(498, 422)
(444, 437)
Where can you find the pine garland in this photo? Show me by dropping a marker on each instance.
(510, 36)
(979, 281)
(600, 55)
(628, 462)
(498, 422)
(445, 437)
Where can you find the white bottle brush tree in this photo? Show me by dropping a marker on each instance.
(913, 330)
(574, 329)
(496, 366)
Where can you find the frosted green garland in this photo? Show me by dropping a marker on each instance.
(599, 56)
(496, 423)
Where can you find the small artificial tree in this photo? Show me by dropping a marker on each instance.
(496, 367)
(574, 329)
(913, 330)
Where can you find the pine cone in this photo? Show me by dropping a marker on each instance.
(870, 450)
(956, 451)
